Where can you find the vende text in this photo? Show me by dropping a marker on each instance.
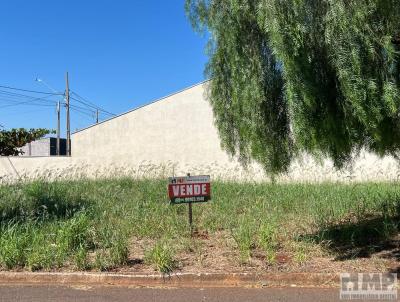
(189, 190)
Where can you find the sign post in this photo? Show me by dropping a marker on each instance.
(190, 215)
(189, 189)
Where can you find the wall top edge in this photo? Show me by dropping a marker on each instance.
(142, 106)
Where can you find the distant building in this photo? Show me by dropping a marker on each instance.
(44, 147)
(172, 136)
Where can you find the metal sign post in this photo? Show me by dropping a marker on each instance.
(190, 215)
(189, 189)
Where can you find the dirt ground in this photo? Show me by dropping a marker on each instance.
(218, 253)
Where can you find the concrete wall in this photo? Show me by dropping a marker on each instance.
(367, 168)
(40, 147)
(174, 136)
(44, 147)
(177, 128)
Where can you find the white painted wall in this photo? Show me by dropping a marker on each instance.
(40, 147)
(176, 128)
(174, 135)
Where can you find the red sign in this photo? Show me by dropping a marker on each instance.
(189, 189)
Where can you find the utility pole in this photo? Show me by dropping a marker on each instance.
(58, 128)
(97, 116)
(58, 109)
(68, 121)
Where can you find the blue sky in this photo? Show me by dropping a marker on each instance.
(119, 54)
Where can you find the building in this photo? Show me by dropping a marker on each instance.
(175, 134)
(44, 147)
(171, 136)
(178, 128)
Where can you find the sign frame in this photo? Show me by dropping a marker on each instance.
(189, 189)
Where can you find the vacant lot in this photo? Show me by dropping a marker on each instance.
(129, 225)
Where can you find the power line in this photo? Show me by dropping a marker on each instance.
(18, 96)
(85, 100)
(83, 108)
(90, 104)
(25, 112)
(14, 99)
(81, 99)
(82, 112)
(26, 104)
(94, 107)
(23, 102)
(17, 99)
(27, 90)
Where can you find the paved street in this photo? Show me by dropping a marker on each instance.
(82, 293)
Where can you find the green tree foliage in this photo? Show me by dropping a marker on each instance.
(12, 140)
(290, 76)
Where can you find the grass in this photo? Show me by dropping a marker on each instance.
(161, 257)
(90, 225)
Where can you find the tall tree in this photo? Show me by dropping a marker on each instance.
(12, 140)
(301, 75)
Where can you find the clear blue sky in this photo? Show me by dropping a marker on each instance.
(119, 54)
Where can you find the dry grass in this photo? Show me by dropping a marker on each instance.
(128, 225)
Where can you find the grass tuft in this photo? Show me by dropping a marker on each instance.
(161, 257)
(89, 224)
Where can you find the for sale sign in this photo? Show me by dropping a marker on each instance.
(188, 189)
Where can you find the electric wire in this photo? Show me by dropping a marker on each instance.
(90, 104)
(82, 108)
(21, 103)
(94, 107)
(27, 90)
(16, 97)
(83, 112)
